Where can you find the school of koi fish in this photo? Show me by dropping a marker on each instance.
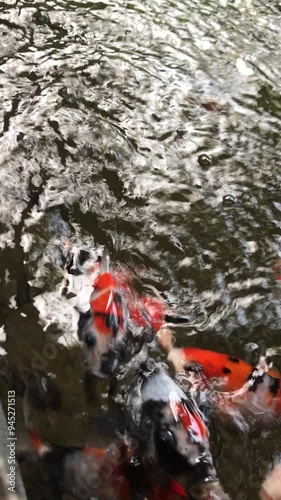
(162, 450)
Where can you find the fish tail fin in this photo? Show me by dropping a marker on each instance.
(165, 338)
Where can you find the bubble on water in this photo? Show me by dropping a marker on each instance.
(228, 200)
(204, 161)
(181, 132)
(251, 346)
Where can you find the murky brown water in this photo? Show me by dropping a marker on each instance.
(106, 109)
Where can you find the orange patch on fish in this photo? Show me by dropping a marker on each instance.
(105, 280)
(235, 371)
(107, 312)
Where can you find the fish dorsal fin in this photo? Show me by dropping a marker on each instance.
(105, 262)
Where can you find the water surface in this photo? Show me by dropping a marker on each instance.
(107, 109)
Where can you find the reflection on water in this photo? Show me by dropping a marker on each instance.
(152, 127)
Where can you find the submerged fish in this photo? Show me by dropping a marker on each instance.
(229, 371)
(85, 473)
(119, 321)
(229, 382)
(167, 456)
(171, 432)
(103, 329)
(115, 472)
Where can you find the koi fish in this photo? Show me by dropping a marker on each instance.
(171, 431)
(103, 329)
(82, 264)
(107, 473)
(228, 382)
(230, 371)
(118, 322)
(271, 487)
(85, 472)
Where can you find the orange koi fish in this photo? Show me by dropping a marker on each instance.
(228, 382)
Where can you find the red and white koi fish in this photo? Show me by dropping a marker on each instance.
(105, 327)
(172, 432)
(119, 321)
(229, 382)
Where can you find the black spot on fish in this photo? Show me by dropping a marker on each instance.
(70, 266)
(274, 386)
(90, 340)
(192, 366)
(234, 360)
(83, 256)
(258, 380)
(226, 370)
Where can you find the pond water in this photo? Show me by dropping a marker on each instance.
(152, 127)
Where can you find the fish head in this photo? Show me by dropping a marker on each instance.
(102, 353)
(181, 440)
